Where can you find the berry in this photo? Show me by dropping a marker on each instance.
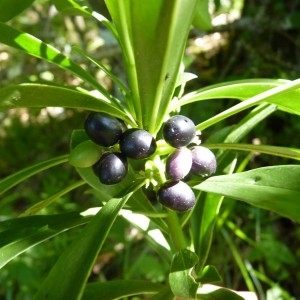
(137, 143)
(177, 196)
(85, 154)
(103, 129)
(179, 163)
(179, 131)
(204, 161)
(111, 168)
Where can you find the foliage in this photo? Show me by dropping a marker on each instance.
(152, 36)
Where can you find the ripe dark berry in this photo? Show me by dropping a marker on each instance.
(179, 163)
(179, 131)
(204, 161)
(103, 129)
(111, 168)
(137, 143)
(177, 196)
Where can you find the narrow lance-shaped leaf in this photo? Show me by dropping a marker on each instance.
(14, 179)
(116, 289)
(291, 153)
(274, 188)
(41, 95)
(35, 47)
(20, 234)
(68, 277)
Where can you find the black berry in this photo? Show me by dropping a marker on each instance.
(103, 129)
(137, 143)
(177, 196)
(204, 161)
(111, 168)
(179, 163)
(179, 131)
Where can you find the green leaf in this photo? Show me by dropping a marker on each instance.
(291, 153)
(267, 96)
(274, 188)
(42, 204)
(20, 234)
(209, 274)
(202, 19)
(203, 222)
(213, 292)
(181, 279)
(71, 7)
(35, 47)
(11, 8)
(238, 89)
(116, 289)
(68, 277)
(153, 36)
(14, 179)
(29, 95)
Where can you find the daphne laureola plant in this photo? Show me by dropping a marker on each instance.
(131, 147)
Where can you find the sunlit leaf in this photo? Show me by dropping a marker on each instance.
(202, 18)
(68, 277)
(41, 95)
(35, 47)
(274, 188)
(153, 49)
(213, 292)
(291, 153)
(116, 289)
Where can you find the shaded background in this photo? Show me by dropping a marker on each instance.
(250, 39)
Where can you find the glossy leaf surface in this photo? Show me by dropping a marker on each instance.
(273, 188)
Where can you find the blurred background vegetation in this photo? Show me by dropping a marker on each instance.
(249, 39)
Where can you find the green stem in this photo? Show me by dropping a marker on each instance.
(175, 231)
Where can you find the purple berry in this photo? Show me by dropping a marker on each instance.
(204, 161)
(177, 196)
(179, 163)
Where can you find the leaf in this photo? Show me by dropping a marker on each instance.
(202, 19)
(213, 292)
(29, 95)
(116, 289)
(291, 153)
(274, 188)
(68, 277)
(267, 96)
(35, 47)
(209, 274)
(14, 179)
(238, 89)
(42, 204)
(152, 35)
(71, 7)
(20, 234)
(11, 8)
(203, 222)
(181, 280)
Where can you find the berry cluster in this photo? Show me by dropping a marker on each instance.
(106, 130)
(179, 131)
(118, 143)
